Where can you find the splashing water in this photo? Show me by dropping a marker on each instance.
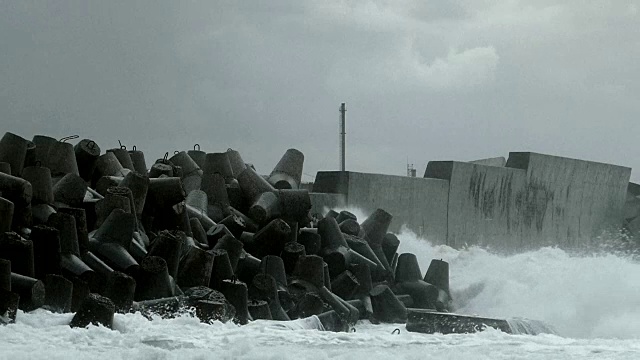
(580, 296)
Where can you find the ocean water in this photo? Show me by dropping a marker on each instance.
(592, 301)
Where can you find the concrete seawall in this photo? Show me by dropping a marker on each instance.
(419, 203)
(535, 200)
(481, 204)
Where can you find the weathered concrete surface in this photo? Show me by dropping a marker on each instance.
(419, 203)
(496, 161)
(632, 204)
(568, 202)
(535, 200)
(482, 203)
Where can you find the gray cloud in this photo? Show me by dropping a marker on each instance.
(423, 80)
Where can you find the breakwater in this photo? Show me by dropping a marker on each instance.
(529, 201)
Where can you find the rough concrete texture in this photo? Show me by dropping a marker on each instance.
(482, 203)
(535, 200)
(568, 202)
(496, 161)
(419, 203)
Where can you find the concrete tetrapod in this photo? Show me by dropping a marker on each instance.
(40, 179)
(46, 251)
(287, 174)
(61, 159)
(222, 269)
(386, 307)
(408, 280)
(70, 190)
(19, 251)
(270, 240)
(195, 268)
(5, 274)
(153, 280)
(390, 244)
(274, 266)
(97, 310)
(13, 150)
(112, 240)
(335, 250)
(42, 145)
(438, 275)
(237, 294)
(120, 289)
(375, 228)
(138, 160)
(5, 168)
(19, 192)
(290, 254)
(70, 250)
(123, 157)
(58, 293)
(31, 291)
(6, 209)
(87, 152)
(264, 287)
(197, 155)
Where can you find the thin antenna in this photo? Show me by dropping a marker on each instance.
(343, 111)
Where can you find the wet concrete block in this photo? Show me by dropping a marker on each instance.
(96, 310)
(19, 251)
(58, 293)
(9, 304)
(120, 289)
(31, 291)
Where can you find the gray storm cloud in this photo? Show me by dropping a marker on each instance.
(423, 80)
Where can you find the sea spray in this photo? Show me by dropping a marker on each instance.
(584, 296)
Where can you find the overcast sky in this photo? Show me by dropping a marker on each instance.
(423, 80)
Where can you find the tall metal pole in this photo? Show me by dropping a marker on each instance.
(343, 111)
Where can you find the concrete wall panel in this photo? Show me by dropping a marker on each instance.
(567, 202)
(481, 204)
(419, 203)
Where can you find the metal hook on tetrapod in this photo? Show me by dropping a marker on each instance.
(70, 137)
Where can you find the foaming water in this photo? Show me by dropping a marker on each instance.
(580, 296)
(594, 296)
